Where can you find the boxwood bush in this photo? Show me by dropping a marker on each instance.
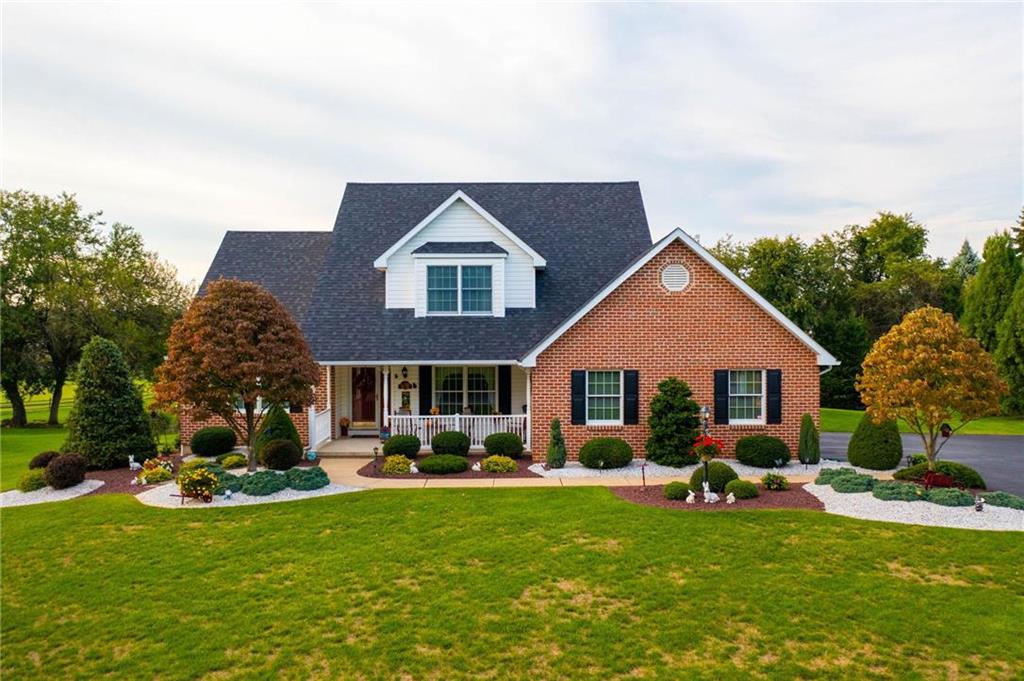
(66, 470)
(762, 451)
(306, 479)
(396, 464)
(876, 446)
(950, 497)
(213, 441)
(504, 444)
(1004, 499)
(741, 489)
(964, 476)
(443, 464)
(719, 475)
(402, 445)
(676, 490)
(851, 484)
(606, 452)
(280, 455)
(262, 483)
(450, 442)
(499, 464)
(31, 480)
(43, 458)
(894, 490)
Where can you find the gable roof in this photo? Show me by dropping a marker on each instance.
(459, 195)
(823, 356)
(284, 263)
(588, 231)
(460, 248)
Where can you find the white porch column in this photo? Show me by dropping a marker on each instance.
(387, 397)
(312, 425)
(330, 400)
(529, 410)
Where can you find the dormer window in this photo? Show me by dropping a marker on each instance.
(459, 289)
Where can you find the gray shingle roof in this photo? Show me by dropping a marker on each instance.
(460, 247)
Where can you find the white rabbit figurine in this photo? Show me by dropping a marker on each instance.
(709, 496)
(731, 499)
(413, 469)
(691, 497)
(476, 466)
(132, 466)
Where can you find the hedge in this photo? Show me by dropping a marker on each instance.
(606, 452)
(762, 451)
(504, 444)
(450, 442)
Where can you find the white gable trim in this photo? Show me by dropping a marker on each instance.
(382, 261)
(824, 357)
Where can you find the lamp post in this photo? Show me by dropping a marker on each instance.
(705, 416)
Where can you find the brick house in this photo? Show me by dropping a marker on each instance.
(494, 307)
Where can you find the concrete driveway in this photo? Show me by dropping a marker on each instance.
(999, 458)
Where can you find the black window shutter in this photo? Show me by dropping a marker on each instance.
(579, 397)
(721, 396)
(774, 392)
(505, 389)
(631, 397)
(426, 388)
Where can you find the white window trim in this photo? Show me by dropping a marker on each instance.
(458, 291)
(764, 400)
(586, 395)
(465, 386)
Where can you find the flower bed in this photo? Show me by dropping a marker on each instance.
(524, 469)
(653, 495)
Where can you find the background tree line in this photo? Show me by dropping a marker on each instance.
(849, 287)
(65, 278)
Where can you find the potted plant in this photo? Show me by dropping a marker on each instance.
(343, 424)
(707, 448)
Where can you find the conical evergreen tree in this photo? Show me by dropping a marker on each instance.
(1009, 354)
(556, 446)
(988, 294)
(108, 421)
(966, 262)
(674, 424)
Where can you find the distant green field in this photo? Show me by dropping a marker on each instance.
(846, 420)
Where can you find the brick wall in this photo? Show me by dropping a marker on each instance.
(688, 334)
(189, 425)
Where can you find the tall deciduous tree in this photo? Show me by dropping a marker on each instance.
(988, 294)
(236, 343)
(1010, 350)
(927, 372)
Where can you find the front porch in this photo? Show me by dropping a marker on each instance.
(356, 403)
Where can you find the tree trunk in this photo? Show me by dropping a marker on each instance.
(58, 391)
(19, 418)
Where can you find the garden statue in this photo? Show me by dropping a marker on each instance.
(709, 496)
(412, 468)
(227, 494)
(476, 466)
(731, 499)
(979, 503)
(691, 497)
(132, 465)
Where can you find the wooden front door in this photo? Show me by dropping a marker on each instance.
(364, 398)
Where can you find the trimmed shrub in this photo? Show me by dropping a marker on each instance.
(676, 490)
(876, 446)
(809, 446)
(443, 464)
(774, 482)
(108, 421)
(233, 461)
(306, 479)
(606, 452)
(719, 475)
(1004, 499)
(275, 426)
(395, 465)
(851, 484)
(964, 476)
(213, 441)
(280, 455)
(504, 444)
(263, 483)
(499, 464)
(918, 458)
(826, 475)
(450, 442)
(154, 475)
(32, 479)
(741, 489)
(42, 459)
(227, 481)
(950, 497)
(66, 470)
(674, 423)
(762, 451)
(556, 446)
(893, 490)
(403, 445)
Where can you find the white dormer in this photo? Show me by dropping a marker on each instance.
(460, 260)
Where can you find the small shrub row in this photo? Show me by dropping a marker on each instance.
(263, 483)
(504, 444)
(1004, 499)
(498, 464)
(450, 442)
(406, 446)
(741, 489)
(443, 464)
(719, 475)
(950, 497)
(762, 451)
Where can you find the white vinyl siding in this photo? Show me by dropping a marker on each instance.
(513, 281)
(746, 396)
(604, 398)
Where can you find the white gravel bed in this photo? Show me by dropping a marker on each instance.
(573, 469)
(47, 494)
(865, 506)
(162, 496)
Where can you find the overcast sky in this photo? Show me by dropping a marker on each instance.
(185, 121)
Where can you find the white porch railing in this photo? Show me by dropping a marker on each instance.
(476, 427)
(319, 426)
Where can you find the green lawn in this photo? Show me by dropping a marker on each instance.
(846, 420)
(519, 583)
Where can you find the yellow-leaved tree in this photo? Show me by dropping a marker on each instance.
(928, 372)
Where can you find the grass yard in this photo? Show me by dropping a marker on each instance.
(846, 420)
(518, 583)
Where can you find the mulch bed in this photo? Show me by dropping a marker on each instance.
(795, 497)
(523, 471)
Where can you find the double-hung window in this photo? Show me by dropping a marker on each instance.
(604, 397)
(459, 289)
(456, 388)
(746, 396)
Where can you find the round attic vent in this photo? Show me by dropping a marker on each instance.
(675, 277)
